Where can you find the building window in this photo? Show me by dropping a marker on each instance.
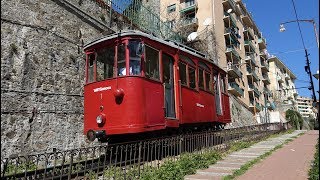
(171, 8)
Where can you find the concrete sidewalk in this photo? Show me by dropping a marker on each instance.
(274, 169)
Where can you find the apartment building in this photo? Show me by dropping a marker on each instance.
(240, 45)
(282, 82)
(304, 106)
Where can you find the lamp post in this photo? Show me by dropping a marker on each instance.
(307, 67)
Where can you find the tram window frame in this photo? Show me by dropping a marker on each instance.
(91, 67)
(155, 75)
(103, 59)
(189, 78)
(208, 82)
(184, 81)
(136, 49)
(121, 58)
(201, 79)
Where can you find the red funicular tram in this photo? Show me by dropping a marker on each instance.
(137, 83)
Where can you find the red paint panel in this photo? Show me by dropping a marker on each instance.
(189, 100)
(154, 95)
(206, 107)
(226, 108)
(132, 115)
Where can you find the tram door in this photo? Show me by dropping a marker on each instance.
(167, 62)
(217, 93)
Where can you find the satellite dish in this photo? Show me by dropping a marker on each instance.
(207, 22)
(192, 36)
(229, 11)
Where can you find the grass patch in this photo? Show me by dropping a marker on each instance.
(314, 171)
(186, 165)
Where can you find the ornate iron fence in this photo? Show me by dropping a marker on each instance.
(126, 160)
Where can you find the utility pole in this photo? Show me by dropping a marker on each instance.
(307, 69)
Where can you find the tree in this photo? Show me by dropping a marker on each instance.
(294, 118)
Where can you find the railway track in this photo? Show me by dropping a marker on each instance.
(124, 159)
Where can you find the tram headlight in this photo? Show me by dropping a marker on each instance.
(100, 119)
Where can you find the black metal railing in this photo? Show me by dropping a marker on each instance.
(125, 160)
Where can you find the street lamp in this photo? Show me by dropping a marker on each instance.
(307, 67)
(282, 28)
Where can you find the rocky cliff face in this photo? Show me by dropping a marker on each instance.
(42, 73)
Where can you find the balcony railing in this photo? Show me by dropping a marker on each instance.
(272, 106)
(188, 6)
(230, 48)
(286, 76)
(234, 71)
(251, 57)
(231, 3)
(262, 40)
(258, 107)
(190, 21)
(266, 78)
(233, 21)
(232, 33)
(249, 43)
(234, 86)
(252, 72)
(249, 31)
(279, 78)
(266, 91)
(264, 65)
(256, 91)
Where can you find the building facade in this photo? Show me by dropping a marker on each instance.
(304, 107)
(240, 46)
(282, 85)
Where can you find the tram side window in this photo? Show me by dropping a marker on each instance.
(121, 60)
(183, 73)
(105, 63)
(135, 51)
(192, 77)
(207, 81)
(91, 59)
(201, 80)
(152, 63)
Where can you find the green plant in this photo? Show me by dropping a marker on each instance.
(294, 118)
(19, 168)
(314, 171)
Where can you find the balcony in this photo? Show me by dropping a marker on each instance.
(231, 35)
(279, 79)
(190, 22)
(228, 19)
(272, 106)
(286, 76)
(266, 79)
(249, 44)
(251, 59)
(231, 52)
(188, 6)
(264, 66)
(252, 73)
(262, 43)
(258, 107)
(266, 91)
(254, 89)
(233, 71)
(249, 33)
(230, 4)
(235, 89)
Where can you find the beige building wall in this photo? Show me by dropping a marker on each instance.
(282, 82)
(231, 22)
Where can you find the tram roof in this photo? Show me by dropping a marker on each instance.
(166, 42)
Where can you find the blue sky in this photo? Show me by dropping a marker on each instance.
(287, 45)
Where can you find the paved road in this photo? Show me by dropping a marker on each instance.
(291, 162)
